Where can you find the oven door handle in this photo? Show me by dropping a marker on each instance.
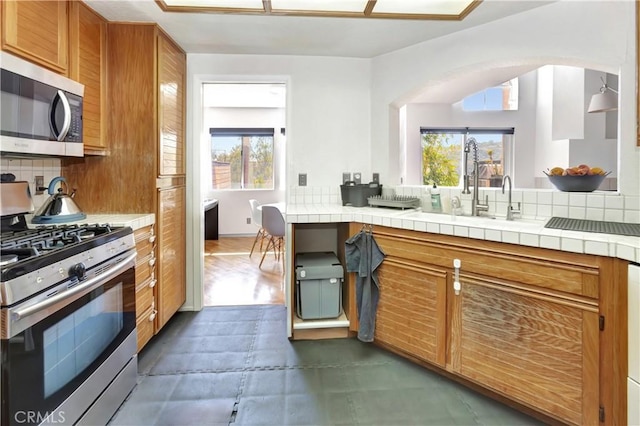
(84, 287)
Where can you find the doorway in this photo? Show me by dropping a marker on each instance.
(244, 146)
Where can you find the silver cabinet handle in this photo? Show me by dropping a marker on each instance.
(456, 279)
(152, 283)
(152, 238)
(153, 315)
(152, 261)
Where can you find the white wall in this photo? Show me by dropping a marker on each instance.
(567, 109)
(328, 125)
(559, 33)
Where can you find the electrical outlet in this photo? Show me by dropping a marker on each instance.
(376, 177)
(39, 180)
(357, 178)
(248, 221)
(346, 177)
(302, 179)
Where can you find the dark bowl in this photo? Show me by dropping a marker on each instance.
(586, 183)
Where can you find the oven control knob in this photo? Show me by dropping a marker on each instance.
(78, 270)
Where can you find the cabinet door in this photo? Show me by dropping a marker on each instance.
(411, 313)
(171, 77)
(536, 348)
(170, 289)
(37, 31)
(87, 64)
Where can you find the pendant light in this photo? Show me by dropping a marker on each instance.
(606, 100)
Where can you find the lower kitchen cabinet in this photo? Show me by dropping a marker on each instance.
(171, 287)
(540, 327)
(145, 327)
(540, 349)
(411, 313)
(145, 283)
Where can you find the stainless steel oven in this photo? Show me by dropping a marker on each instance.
(67, 323)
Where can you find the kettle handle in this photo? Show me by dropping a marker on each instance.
(52, 184)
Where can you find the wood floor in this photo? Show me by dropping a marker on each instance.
(232, 278)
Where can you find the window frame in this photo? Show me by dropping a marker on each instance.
(466, 132)
(242, 132)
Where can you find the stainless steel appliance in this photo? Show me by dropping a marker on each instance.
(59, 207)
(41, 111)
(67, 316)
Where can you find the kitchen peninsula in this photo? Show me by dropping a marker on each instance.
(540, 317)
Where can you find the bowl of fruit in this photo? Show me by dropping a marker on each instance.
(580, 178)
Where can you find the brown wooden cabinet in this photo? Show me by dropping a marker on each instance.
(539, 349)
(37, 31)
(146, 311)
(412, 310)
(171, 223)
(136, 176)
(171, 98)
(88, 65)
(528, 324)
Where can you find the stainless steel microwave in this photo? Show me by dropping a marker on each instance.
(40, 111)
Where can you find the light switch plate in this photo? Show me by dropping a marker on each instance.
(357, 178)
(376, 177)
(302, 179)
(346, 177)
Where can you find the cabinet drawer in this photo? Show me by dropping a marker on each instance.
(145, 266)
(144, 295)
(145, 239)
(144, 326)
(554, 270)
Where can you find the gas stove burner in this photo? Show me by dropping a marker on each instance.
(85, 235)
(7, 259)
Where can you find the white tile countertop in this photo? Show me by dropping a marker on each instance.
(135, 221)
(526, 232)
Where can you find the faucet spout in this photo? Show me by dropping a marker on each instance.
(470, 142)
(476, 205)
(510, 210)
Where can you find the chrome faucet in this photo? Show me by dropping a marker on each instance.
(510, 210)
(476, 205)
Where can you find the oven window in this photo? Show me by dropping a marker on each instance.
(77, 340)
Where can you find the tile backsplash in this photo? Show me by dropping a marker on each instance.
(534, 203)
(28, 169)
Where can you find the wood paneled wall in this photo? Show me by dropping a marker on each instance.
(124, 181)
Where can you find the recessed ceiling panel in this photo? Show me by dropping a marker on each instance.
(426, 7)
(357, 6)
(226, 4)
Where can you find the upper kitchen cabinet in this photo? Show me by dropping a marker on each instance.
(37, 31)
(87, 65)
(171, 81)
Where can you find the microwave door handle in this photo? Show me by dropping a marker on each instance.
(66, 123)
(80, 289)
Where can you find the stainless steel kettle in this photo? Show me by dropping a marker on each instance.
(59, 207)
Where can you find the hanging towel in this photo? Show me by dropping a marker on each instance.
(364, 257)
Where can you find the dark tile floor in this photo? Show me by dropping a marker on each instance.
(235, 366)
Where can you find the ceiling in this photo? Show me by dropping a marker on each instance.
(294, 35)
